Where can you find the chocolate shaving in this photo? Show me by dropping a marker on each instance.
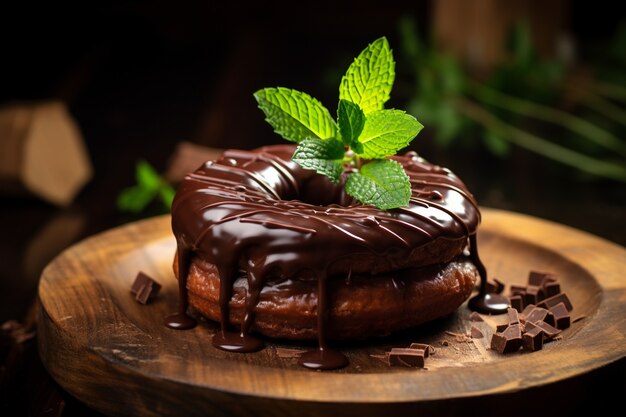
(384, 358)
(428, 349)
(145, 288)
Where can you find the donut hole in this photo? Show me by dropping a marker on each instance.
(318, 190)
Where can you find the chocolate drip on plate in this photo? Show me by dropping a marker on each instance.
(484, 302)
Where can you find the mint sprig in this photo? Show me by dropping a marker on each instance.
(364, 136)
(381, 183)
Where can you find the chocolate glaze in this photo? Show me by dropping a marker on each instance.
(260, 214)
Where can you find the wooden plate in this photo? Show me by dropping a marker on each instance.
(115, 354)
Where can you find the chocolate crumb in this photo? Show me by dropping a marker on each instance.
(474, 316)
(476, 333)
(445, 343)
(144, 288)
(286, 353)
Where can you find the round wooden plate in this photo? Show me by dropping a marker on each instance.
(117, 356)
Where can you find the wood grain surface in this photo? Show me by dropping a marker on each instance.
(115, 354)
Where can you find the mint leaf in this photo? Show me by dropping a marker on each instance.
(136, 198)
(324, 156)
(382, 183)
(386, 132)
(295, 115)
(146, 176)
(369, 79)
(350, 119)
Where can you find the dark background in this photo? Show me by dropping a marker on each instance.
(139, 77)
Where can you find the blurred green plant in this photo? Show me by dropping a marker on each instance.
(149, 187)
(517, 93)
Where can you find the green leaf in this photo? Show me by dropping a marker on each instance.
(350, 119)
(146, 176)
(370, 77)
(295, 115)
(382, 183)
(386, 132)
(135, 198)
(496, 143)
(324, 156)
(166, 193)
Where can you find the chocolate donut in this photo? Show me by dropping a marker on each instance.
(284, 252)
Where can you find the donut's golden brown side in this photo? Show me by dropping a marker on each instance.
(361, 307)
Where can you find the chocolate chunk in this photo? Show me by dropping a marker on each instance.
(517, 302)
(551, 288)
(476, 333)
(144, 288)
(508, 341)
(518, 289)
(561, 316)
(410, 358)
(501, 327)
(532, 340)
(527, 310)
(533, 295)
(422, 346)
(540, 278)
(512, 316)
(537, 314)
(474, 316)
(549, 331)
(555, 299)
(495, 286)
